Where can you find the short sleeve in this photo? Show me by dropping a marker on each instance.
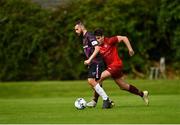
(113, 40)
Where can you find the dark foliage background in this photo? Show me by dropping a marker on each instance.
(40, 44)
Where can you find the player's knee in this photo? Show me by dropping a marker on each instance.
(91, 82)
(102, 79)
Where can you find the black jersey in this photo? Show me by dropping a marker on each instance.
(89, 42)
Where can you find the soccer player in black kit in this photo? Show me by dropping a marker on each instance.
(94, 61)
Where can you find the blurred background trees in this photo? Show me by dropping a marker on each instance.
(37, 43)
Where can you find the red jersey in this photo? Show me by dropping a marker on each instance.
(109, 52)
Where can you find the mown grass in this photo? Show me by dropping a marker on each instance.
(53, 102)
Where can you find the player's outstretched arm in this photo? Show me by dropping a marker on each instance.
(127, 43)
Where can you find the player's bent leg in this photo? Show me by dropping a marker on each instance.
(105, 74)
(101, 92)
(106, 103)
(130, 88)
(93, 103)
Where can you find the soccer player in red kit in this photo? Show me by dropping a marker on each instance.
(109, 52)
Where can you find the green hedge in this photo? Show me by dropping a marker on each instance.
(40, 44)
(32, 44)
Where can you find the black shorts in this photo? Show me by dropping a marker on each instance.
(95, 70)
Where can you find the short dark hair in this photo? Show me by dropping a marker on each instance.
(98, 32)
(79, 22)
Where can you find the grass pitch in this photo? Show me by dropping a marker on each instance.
(53, 102)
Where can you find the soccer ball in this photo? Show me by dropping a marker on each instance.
(80, 103)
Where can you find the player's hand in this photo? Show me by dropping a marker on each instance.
(131, 52)
(87, 62)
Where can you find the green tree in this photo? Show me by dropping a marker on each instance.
(40, 44)
(169, 28)
(33, 45)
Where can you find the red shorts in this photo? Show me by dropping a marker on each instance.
(115, 70)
